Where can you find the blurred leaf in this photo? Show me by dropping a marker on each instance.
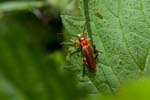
(26, 73)
(61, 4)
(122, 33)
(135, 90)
(139, 90)
(19, 5)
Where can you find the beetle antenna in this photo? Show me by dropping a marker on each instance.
(84, 27)
(71, 35)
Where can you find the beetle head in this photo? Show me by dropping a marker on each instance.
(81, 36)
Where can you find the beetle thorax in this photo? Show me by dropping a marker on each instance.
(84, 42)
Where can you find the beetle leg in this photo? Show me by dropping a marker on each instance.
(83, 73)
(84, 66)
(77, 50)
(75, 42)
(83, 34)
(88, 39)
(96, 51)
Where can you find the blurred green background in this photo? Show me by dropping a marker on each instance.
(32, 58)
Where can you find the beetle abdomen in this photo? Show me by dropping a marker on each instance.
(88, 54)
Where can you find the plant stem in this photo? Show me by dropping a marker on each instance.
(87, 18)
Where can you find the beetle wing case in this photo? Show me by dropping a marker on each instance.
(89, 56)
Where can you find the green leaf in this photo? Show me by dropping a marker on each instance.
(19, 5)
(26, 72)
(139, 90)
(61, 4)
(122, 33)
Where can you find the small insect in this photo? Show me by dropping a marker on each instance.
(89, 52)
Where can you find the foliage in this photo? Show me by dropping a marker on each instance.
(138, 90)
(121, 29)
(118, 27)
(22, 5)
(27, 72)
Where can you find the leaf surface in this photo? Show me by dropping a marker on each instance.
(123, 33)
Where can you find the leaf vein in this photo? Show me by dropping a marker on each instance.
(142, 7)
(146, 57)
(140, 36)
(123, 34)
(107, 81)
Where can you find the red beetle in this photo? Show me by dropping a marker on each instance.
(88, 52)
